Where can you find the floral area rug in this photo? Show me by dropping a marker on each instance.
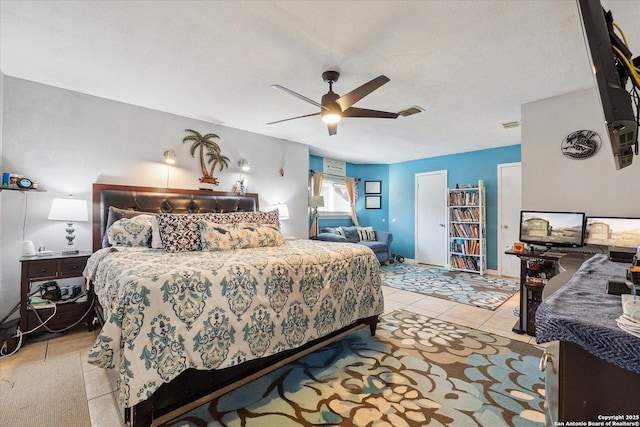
(458, 286)
(416, 371)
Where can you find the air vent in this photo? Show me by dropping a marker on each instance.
(510, 125)
(411, 111)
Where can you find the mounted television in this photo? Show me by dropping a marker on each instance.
(613, 67)
(613, 231)
(552, 229)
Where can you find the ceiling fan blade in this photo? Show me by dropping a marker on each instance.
(293, 118)
(333, 128)
(297, 95)
(363, 112)
(357, 94)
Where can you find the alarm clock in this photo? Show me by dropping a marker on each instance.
(24, 183)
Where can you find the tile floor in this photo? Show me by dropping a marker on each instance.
(100, 384)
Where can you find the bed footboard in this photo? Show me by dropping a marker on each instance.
(195, 387)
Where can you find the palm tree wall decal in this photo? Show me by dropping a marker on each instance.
(211, 149)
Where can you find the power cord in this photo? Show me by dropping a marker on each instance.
(43, 323)
(3, 349)
(50, 304)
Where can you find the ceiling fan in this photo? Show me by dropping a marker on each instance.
(334, 107)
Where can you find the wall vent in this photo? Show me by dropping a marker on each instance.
(411, 111)
(510, 125)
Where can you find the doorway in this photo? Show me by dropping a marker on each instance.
(431, 218)
(509, 206)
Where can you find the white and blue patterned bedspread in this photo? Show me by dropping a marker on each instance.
(167, 312)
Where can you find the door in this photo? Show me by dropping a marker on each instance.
(431, 218)
(509, 206)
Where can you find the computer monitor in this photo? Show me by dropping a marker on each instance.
(613, 231)
(552, 229)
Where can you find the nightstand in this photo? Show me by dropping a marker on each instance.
(36, 270)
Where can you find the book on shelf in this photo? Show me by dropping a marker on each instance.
(464, 198)
(464, 230)
(465, 214)
(463, 263)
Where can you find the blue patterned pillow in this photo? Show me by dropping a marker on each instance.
(116, 214)
(134, 231)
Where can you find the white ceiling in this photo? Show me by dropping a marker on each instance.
(469, 64)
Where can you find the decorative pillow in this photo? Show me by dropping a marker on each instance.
(330, 237)
(181, 232)
(116, 214)
(270, 217)
(366, 234)
(331, 230)
(219, 237)
(156, 241)
(339, 231)
(351, 234)
(134, 231)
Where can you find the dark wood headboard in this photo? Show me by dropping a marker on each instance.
(159, 200)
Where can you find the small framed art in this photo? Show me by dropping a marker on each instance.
(373, 202)
(372, 187)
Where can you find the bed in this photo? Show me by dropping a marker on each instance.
(186, 317)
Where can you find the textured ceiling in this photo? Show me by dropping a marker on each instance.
(469, 64)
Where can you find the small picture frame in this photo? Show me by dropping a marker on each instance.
(372, 187)
(373, 202)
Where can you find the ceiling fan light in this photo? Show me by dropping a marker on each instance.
(331, 118)
(331, 112)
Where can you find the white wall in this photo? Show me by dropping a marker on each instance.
(551, 181)
(66, 141)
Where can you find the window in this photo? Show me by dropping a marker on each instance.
(336, 198)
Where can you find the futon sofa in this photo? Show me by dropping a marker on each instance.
(378, 241)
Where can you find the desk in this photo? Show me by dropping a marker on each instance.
(597, 368)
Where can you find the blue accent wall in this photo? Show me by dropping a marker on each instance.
(462, 168)
(398, 192)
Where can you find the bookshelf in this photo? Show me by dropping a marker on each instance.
(467, 228)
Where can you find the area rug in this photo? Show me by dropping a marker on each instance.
(458, 286)
(416, 371)
(45, 394)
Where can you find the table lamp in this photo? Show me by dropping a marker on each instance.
(283, 211)
(69, 211)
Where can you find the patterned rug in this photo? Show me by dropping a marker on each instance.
(458, 286)
(416, 371)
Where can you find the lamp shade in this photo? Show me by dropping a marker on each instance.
(283, 211)
(316, 202)
(70, 210)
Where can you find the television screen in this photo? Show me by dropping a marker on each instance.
(612, 66)
(552, 228)
(612, 231)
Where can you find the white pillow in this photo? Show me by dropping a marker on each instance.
(156, 241)
(366, 234)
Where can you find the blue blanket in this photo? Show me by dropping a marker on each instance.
(583, 313)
